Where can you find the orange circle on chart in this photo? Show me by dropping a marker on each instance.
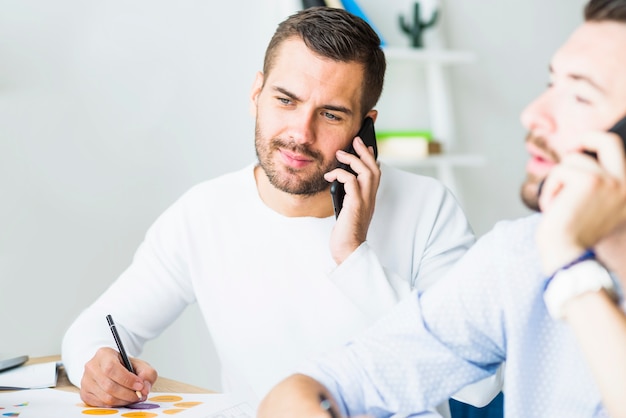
(173, 411)
(166, 398)
(187, 404)
(100, 411)
(139, 414)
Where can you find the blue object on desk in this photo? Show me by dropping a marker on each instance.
(495, 409)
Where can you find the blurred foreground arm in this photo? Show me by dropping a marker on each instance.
(585, 207)
(296, 396)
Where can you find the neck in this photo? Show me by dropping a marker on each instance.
(318, 205)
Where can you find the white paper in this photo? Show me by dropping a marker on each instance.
(55, 403)
(34, 376)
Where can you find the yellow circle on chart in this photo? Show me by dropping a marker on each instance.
(166, 398)
(100, 411)
(140, 414)
(173, 411)
(187, 404)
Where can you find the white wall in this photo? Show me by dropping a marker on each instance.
(513, 42)
(110, 110)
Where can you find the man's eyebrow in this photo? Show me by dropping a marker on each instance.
(287, 93)
(294, 97)
(588, 80)
(584, 79)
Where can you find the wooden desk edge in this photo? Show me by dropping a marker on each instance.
(162, 384)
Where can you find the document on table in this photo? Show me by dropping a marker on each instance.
(54, 403)
(34, 376)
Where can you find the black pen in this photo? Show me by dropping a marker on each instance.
(327, 406)
(120, 347)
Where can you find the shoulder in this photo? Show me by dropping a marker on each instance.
(229, 183)
(521, 230)
(221, 193)
(419, 203)
(509, 242)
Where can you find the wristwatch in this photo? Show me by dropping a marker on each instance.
(586, 276)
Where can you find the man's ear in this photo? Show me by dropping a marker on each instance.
(372, 114)
(257, 86)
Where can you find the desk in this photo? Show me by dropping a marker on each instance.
(161, 385)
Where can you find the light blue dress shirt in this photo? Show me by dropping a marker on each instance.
(487, 310)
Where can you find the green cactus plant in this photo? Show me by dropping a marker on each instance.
(416, 30)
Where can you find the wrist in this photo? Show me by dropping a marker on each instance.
(556, 255)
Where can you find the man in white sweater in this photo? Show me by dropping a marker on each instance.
(278, 279)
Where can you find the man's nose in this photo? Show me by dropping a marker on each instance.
(302, 127)
(537, 117)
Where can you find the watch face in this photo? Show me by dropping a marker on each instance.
(586, 276)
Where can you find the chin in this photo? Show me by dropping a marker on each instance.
(529, 195)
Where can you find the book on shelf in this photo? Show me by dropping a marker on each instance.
(408, 145)
(312, 3)
(337, 4)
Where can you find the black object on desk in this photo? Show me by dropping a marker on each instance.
(12, 362)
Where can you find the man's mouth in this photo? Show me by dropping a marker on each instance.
(541, 161)
(293, 159)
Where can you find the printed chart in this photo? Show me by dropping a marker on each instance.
(51, 403)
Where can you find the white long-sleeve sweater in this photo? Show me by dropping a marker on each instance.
(267, 286)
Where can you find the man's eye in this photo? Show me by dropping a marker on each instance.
(284, 100)
(331, 116)
(582, 100)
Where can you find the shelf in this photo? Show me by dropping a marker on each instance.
(435, 62)
(438, 160)
(428, 56)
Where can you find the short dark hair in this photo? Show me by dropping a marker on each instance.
(341, 36)
(600, 10)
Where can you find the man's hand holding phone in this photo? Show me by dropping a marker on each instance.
(357, 193)
(583, 199)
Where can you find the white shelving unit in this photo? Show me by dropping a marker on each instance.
(442, 121)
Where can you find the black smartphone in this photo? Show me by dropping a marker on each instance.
(368, 135)
(619, 128)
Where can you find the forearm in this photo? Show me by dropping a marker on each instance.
(296, 396)
(600, 327)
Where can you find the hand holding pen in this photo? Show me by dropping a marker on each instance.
(108, 382)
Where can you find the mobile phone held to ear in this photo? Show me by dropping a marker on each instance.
(368, 135)
(619, 128)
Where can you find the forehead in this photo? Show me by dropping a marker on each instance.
(597, 51)
(298, 68)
